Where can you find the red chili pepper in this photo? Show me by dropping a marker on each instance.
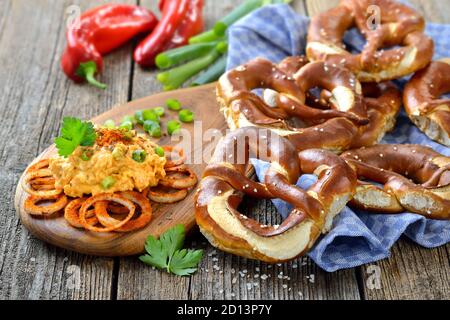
(99, 31)
(173, 13)
(191, 25)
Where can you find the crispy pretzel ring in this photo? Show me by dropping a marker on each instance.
(39, 172)
(173, 180)
(71, 213)
(428, 191)
(101, 211)
(170, 151)
(422, 104)
(320, 127)
(399, 25)
(161, 194)
(31, 204)
(101, 197)
(224, 184)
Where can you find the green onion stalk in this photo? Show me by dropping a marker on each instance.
(174, 78)
(213, 73)
(236, 14)
(179, 55)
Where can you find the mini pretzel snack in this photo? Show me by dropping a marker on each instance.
(399, 25)
(224, 183)
(422, 104)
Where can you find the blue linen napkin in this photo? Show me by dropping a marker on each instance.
(357, 237)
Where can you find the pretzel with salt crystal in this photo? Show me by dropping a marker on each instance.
(340, 123)
(423, 105)
(224, 184)
(415, 178)
(399, 26)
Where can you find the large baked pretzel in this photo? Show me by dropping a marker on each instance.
(224, 184)
(399, 25)
(338, 123)
(415, 179)
(423, 105)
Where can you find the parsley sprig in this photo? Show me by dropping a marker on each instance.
(74, 133)
(167, 253)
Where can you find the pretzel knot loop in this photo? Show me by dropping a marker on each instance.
(414, 178)
(396, 26)
(423, 104)
(342, 119)
(224, 184)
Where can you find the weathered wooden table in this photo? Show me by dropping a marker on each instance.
(35, 95)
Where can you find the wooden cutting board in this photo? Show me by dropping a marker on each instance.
(57, 231)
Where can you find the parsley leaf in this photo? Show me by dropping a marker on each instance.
(74, 133)
(184, 262)
(167, 253)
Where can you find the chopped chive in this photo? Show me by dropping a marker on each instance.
(150, 114)
(139, 155)
(108, 182)
(159, 151)
(129, 118)
(138, 115)
(128, 125)
(173, 126)
(159, 111)
(86, 155)
(186, 115)
(153, 128)
(109, 124)
(173, 104)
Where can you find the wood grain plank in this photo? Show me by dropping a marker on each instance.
(35, 96)
(412, 272)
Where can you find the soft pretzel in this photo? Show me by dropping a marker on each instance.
(415, 179)
(339, 122)
(224, 184)
(399, 26)
(423, 105)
